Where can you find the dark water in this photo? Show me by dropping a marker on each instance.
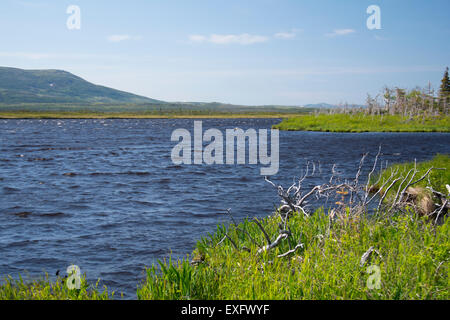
(104, 194)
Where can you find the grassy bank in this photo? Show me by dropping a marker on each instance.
(135, 115)
(45, 289)
(413, 263)
(410, 255)
(437, 178)
(364, 123)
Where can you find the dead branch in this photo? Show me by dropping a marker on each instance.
(298, 246)
(270, 246)
(263, 231)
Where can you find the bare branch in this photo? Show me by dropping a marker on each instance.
(274, 244)
(298, 246)
(263, 231)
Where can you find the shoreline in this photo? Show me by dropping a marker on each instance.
(359, 123)
(94, 115)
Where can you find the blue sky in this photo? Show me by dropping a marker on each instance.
(254, 52)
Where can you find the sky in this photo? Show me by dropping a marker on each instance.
(253, 52)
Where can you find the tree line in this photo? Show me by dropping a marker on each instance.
(415, 102)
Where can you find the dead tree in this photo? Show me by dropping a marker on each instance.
(374, 196)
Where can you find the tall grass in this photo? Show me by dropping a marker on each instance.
(413, 263)
(45, 289)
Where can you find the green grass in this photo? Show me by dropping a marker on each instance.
(364, 123)
(414, 263)
(45, 289)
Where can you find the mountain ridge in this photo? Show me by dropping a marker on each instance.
(55, 86)
(58, 86)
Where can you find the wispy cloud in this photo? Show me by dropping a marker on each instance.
(197, 38)
(223, 39)
(243, 39)
(122, 37)
(287, 35)
(340, 32)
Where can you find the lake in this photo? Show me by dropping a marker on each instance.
(105, 195)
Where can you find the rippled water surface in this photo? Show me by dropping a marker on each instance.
(105, 195)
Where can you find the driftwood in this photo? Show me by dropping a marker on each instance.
(367, 256)
(352, 198)
(355, 197)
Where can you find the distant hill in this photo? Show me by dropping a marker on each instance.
(58, 90)
(320, 106)
(57, 86)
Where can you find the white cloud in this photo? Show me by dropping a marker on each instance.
(340, 32)
(243, 39)
(122, 37)
(285, 35)
(197, 38)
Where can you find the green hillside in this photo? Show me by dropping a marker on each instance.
(57, 86)
(56, 91)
